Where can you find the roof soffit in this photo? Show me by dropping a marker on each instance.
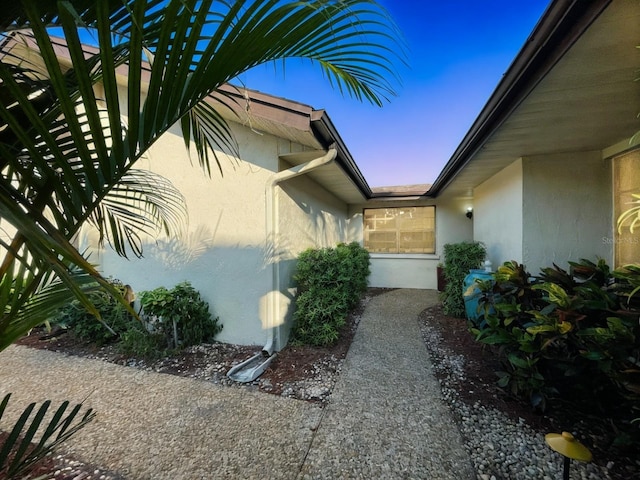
(587, 102)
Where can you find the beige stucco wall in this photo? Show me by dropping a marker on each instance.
(546, 209)
(308, 217)
(414, 270)
(224, 251)
(567, 209)
(498, 214)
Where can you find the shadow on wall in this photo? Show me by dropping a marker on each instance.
(317, 226)
(236, 280)
(235, 276)
(176, 253)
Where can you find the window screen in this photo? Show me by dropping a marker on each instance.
(626, 183)
(400, 230)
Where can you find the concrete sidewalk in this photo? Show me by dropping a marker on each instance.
(385, 418)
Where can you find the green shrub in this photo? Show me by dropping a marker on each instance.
(85, 326)
(459, 258)
(137, 340)
(179, 315)
(569, 336)
(330, 283)
(172, 318)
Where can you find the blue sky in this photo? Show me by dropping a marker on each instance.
(458, 51)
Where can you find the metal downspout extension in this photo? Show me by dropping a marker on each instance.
(252, 368)
(273, 232)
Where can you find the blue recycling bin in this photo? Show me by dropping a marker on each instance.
(471, 293)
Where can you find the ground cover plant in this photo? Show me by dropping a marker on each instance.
(569, 338)
(459, 258)
(168, 319)
(330, 284)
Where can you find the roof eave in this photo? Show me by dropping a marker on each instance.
(324, 129)
(560, 26)
(304, 117)
(287, 112)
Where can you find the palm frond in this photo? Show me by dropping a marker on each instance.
(67, 155)
(19, 452)
(209, 132)
(142, 203)
(31, 298)
(356, 38)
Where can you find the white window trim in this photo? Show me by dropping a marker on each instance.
(413, 256)
(404, 254)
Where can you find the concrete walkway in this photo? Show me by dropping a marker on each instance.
(385, 418)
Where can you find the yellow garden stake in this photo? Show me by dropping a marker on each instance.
(566, 445)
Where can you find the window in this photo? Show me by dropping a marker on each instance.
(400, 230)
(626, 184)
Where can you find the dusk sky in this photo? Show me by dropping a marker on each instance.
(458, 50)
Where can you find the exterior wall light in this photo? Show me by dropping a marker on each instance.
(469, 213)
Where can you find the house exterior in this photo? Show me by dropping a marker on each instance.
(549, 164)
(294, 186)
(546, 168)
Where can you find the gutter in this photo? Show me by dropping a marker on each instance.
(305, 119)
(252, 368)
(560, 26)
(326, 132)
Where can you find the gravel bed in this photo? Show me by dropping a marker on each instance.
(214, 358)
(500, 447)
(69, 469)
(211, 362)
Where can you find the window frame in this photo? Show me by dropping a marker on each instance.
(625, 242)
(397, 232)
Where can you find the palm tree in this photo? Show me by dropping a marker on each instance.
(66, 155)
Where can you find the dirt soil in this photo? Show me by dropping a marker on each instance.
(479, 382)
(304, 365)
(480, 385)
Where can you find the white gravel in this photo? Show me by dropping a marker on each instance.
(500, 448)
(387, 417)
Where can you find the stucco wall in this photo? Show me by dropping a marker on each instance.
(546, 209)
(497, 214)
(308, 217)
(414, 270)
(223, 251)
(452, 224)
(567, 209)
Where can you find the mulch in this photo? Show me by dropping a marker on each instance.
(479, 385)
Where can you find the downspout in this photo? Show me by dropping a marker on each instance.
(253, 367)
(271, 194)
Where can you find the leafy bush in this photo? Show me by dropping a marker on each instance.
(179, 315)
(570, 336)
(138, 340)
(172, 318)
(459, 258)
(330, 283)
(114, 320)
